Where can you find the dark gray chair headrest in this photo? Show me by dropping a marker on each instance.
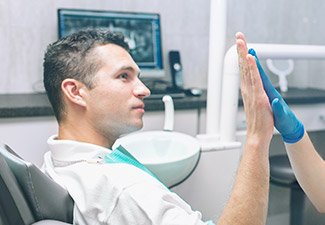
(10, 193)
(47, 199)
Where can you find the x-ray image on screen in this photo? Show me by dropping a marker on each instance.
(141, 30)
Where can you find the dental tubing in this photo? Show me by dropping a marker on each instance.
(285, 121)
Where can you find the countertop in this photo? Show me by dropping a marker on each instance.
(33, 105)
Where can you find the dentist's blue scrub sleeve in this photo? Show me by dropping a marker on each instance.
(285, 121)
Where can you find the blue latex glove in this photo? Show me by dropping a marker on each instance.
(285, 121)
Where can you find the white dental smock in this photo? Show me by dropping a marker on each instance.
(112, 193)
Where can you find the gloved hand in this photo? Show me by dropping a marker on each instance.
(285, 121)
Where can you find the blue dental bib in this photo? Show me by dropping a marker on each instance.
(121, 155)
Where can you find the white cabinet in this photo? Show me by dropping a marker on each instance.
(28, 136)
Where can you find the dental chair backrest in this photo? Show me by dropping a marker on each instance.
(28, 196)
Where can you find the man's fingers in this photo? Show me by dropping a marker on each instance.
(241, 48)
(254, 74)
(240, 35)
(242, 52)
(241, 44)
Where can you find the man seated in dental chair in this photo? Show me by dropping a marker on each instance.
(307, 164)
(96, 93)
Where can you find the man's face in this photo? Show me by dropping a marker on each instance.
(115, 104)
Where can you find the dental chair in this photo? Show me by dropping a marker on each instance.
(28, 196)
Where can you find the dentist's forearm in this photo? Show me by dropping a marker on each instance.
(309, 168)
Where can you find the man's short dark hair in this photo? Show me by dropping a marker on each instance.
(71, 57)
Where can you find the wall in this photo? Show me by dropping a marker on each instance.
(28, 136)
(26, 29)
(288, 22)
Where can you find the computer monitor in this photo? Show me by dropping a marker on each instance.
(141, 30)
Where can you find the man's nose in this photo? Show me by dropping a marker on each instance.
(141, 90)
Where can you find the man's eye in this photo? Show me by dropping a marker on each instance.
(123, 76)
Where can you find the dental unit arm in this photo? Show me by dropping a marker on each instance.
(221, 117)
(230, 79)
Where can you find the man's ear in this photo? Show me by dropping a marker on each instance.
(73, 91)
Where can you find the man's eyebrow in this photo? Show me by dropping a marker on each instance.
(130, 68)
